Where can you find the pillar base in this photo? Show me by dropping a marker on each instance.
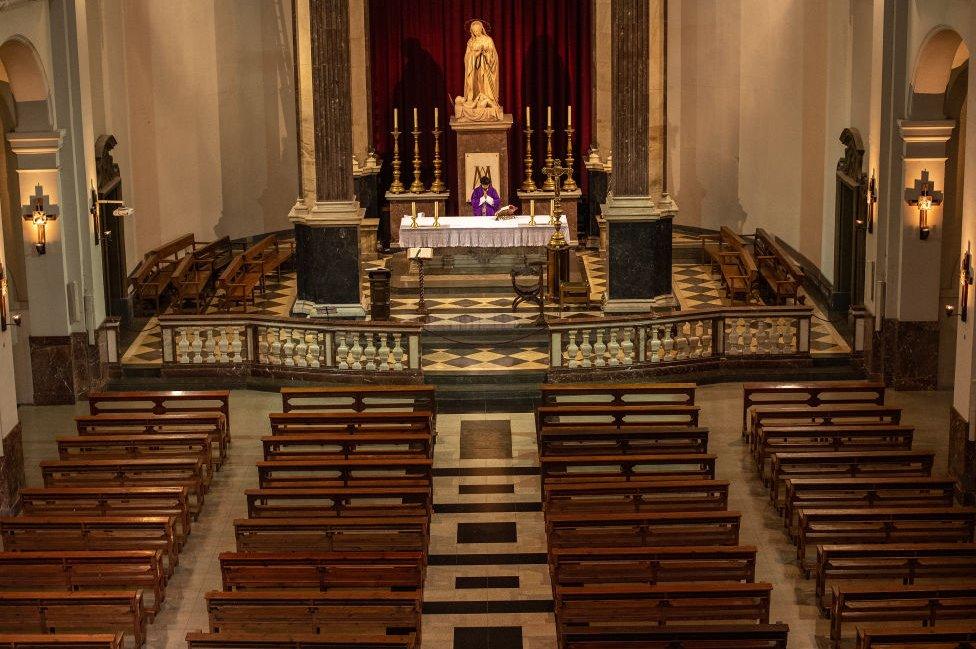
(332, 311)
(327, 258)
(638, 250)
(660, 304)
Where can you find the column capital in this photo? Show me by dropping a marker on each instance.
(37, 150)
(925, 139)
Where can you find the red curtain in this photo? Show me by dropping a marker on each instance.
(417, 59)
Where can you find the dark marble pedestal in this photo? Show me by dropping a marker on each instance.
(638, 263)
(327, 258)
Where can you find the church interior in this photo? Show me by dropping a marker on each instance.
(487, 324)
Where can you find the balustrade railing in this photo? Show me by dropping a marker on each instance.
(735, 332)
(303, 345)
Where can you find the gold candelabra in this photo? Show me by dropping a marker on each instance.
(569, 185)
(528, 185)
(396, 187)
(548, 185)
(416, 187)
(438, 185)
(554, 173)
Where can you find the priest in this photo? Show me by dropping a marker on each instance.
(485, 201)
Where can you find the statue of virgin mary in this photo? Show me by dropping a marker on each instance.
(480, 100)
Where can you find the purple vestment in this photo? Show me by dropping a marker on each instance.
(485, 208)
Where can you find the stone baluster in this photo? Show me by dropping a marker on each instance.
(747, 336)
(384, 353)
(314, 353)
(694, 339)
(627, 346)
(288, 348)
(667, 345)
(236, 346)
(655, 345)
(342, 351)
(209, 347)
(183, 347)
(762, 336)
(356, 351)
(370, 352)
(572, 350)
(398, 354)
(682, 348)
(301, 348)
(586, 349)
(274, 346)
(599, 349)
(789, 338)
(223, 346)
(613, 349)
(263, 345)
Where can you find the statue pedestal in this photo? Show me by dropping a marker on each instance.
(480, 145)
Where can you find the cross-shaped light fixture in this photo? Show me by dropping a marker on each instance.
(923, 196)
(39, 211)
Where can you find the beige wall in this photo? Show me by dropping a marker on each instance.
(200, 97)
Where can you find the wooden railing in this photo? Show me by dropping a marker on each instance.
(277, 344)
(681, 339)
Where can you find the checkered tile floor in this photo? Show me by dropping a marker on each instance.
(485, 359)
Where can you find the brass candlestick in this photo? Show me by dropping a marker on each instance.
(416, 187)
(548, 185)
(397, 186)
(569, 185)
(554, 172)
(528, 185)
(438, 185)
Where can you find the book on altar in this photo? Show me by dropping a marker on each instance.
(505, 213)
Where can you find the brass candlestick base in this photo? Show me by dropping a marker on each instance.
(437, 220)
(549, 185)
(438, 185)
(396, 187)
(413, 220)
(416, 187)
(528, 185)
(569, 185)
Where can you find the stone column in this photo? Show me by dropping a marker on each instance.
(327, 216)
(638, 212)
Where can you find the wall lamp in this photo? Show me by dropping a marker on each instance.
(965, 280)
(122, 211)
(39, 212)
(924, 197)
(872, 198)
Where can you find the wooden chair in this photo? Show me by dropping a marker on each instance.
(577, 289)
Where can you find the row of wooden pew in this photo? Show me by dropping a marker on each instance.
(93, 549)
(643, 551)
(333, 552)
(891, 543)
(766, 271)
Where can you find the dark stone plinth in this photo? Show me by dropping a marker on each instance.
(599, 184)
(368, 194)
(909, 354)
(639, 259)
(52, 368)
(962, 454)
(12, 476)
(327, 260)
(379, 293)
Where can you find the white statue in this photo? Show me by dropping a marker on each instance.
(480, 100)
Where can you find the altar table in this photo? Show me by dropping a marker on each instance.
(478, 232)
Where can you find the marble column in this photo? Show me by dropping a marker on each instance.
(327, 216)
(638, 211)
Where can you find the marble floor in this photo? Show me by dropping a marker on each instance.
(487, 584)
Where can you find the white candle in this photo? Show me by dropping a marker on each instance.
(413, 208)
(435, 116)
(415, 117)
(532, 207)
(396, 119)
(528, 117)
(437, 208)
(548, 116)
(569, 115)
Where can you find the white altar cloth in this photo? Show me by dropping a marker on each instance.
(478, 232)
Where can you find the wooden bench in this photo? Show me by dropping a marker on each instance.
(924, 605)
(402, 533)
(352, 472)
(641, 529)
(211, 424)
(712, 636)
(270, 254)
(151, 279)
(944, 637)
(564, 469)
(359, 612)
(836, 526)
(651, 565)
(618, 394)
(809, 393)
(87, 611)
(322, 570)
(117, 447)
(189, 473)
(635, 606)
(162, 402)
(575, 289)
(194, 274)
(61, 641)
(573, 416)
(846, 464)
(315, 423)
(848, 415)
(894, 563)
(861, 493)
(816, 439)
(591, 440)
(238, 283)
(301, 641)
(728, 254)
(109, 501)
(637, 495)
(347, 445)
(98, 570)
(80, 533)
(782, 276)
(312, 502)
(360, 398)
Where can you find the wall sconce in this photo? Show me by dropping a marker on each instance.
(923, 196)
(872, 198)
(122, 211)
(39, 212)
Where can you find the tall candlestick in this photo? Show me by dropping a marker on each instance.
(528, 185)
(438, 185)
(549, 185)
(416, 187)
(569, 185)
(548, 116)
(396, 187)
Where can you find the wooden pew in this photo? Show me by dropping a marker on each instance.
(636, 606)
(269, 254)
(862, 493)
(618, 394)
(651, 565)
(238, 283)
(845, 464)
(403, 533)
(316, 423)
(943, 637)
(593, 440)
(162, 402)
(780, 273)
(712, 636)
(809, 393)
(817, 439)
(86, 570)
(869, 414)
(836, 526)
(641, 529)
(189, 473)
(352, 472)
(573, 416)
(322, 570)
(894, 563)
(211, 424)
(80, 533)
(193, 276)
(311, 502)
(347, 445)
(301, 641)
(109, 501)
(727, 252)
(922, 605)
(365, 612)
(637, 495)
(621, 468)
(119, 447)
(61, 641)
(152, 277)
(360, 398)
(93, 611)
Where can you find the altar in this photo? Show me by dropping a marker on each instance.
(478, 232)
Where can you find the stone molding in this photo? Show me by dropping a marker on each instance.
(327, 214)
(638, 208)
